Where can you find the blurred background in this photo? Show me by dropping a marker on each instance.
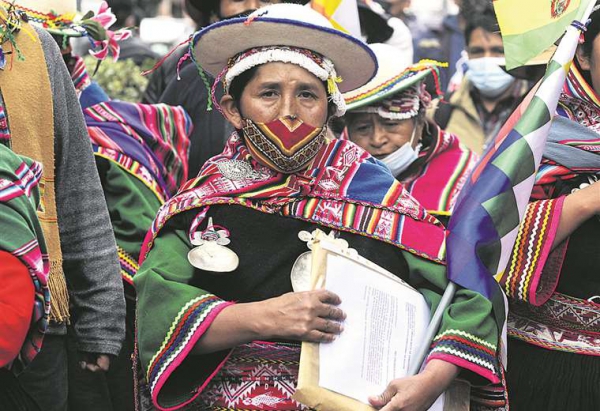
(163, 23)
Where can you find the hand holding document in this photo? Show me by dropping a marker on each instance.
(386, 322)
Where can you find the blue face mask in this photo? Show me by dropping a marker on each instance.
(487, 76)
(402, 158)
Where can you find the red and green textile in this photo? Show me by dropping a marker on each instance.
(529, 27)
(573, 149)
(132, 208)
(19, 198)
(344, 188)
(440, 172)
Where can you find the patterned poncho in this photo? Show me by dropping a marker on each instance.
(342, 188)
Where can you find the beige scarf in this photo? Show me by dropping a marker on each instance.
(27, 98)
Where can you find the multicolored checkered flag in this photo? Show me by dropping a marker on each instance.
(486, 219)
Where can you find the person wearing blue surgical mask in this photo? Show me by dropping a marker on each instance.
(386, 117)
(487, 95)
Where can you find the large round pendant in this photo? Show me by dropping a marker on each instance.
(301, 270)
(211, 256)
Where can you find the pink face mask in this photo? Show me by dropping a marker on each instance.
(286, 145)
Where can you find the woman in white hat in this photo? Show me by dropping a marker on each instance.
(219, 317)
(386, 117)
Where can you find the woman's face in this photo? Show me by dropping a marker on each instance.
(229, 8)
(380, 136)
(591, 63)
(278, 90)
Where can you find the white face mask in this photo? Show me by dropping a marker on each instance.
(487, 76)
(402, 158)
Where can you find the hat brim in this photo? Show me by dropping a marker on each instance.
(367, 98)
(354, 61)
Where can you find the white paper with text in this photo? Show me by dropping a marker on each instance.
(386, 322)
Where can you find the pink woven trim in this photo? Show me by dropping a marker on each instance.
(462, 363)
(540, 294)
(183, 355)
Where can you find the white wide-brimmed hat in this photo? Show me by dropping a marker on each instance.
(288, 25)
(395, 74)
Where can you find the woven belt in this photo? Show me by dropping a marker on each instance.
(563, 323)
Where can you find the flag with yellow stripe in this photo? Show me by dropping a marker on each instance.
(343, 14)
(529, 27)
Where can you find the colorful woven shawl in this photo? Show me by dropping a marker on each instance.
(19, 199)
(343, 188)
(573, 146)
(440, 172)
(149, 141)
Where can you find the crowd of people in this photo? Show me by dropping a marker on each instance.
(146, 246)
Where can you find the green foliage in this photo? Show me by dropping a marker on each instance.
(121, 80)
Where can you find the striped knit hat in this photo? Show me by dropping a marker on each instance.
(397, 91)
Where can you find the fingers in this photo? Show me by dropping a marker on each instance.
(317, 336)
(90, 362)
(327, 307)
(332, 312)
(384, 398)
(103, 362)
(91, 367)
(323, 303)
(329, 326)
(328, 297)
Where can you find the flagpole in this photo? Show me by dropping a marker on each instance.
(432, 329)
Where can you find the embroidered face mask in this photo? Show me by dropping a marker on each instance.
(285, 145)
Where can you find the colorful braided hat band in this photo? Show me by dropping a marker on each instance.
(396, 86)
(404, 105)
